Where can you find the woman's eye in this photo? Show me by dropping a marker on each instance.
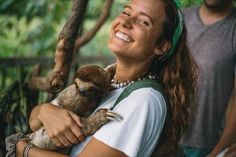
(125, 13)
(143, 22)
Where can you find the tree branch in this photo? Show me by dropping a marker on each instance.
(56, 80)
(86, 37)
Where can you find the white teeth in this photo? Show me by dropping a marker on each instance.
(123, 36)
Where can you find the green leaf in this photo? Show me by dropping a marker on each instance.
(5, 4)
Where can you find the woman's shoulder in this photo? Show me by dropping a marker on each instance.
(144, 98)
(147, 94)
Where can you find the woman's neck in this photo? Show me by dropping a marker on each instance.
(126, 72)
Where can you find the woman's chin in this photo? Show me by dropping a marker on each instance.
(115, 49)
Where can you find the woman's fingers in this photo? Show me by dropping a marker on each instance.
(77, 119)
(71, 136)
(77, 132)
(61, 141)
(56, 141)
(76, 128)
(62, 126)
(68, 135)
(64, 141)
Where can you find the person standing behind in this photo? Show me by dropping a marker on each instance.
(211, 32)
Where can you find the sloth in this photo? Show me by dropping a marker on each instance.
(91, 82)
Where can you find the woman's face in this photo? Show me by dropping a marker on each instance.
(135, 32)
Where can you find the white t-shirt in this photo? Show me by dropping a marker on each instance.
(143, 112)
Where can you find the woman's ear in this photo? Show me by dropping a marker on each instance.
(162, 48)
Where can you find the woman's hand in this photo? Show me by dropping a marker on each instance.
(62, 126)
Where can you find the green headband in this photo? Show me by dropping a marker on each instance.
(177, 34)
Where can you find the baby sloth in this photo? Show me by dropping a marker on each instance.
(91, 82)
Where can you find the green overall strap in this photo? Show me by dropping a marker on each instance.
(137, 85)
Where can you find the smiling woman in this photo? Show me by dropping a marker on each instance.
(135, 28)
(148, 39)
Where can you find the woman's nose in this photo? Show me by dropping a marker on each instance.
(127, 22)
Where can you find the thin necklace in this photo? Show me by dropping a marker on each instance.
(116, 84)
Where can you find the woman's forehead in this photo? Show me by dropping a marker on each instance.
(153, 8)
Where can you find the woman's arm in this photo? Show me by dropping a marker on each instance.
(62, 126)
(35, 152)
(96, 148)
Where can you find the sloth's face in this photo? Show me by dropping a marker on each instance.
(87, 89)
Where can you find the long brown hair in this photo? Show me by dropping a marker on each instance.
(178, 77)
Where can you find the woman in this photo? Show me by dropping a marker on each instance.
(148, 39)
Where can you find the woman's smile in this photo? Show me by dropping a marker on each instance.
(123, 36)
